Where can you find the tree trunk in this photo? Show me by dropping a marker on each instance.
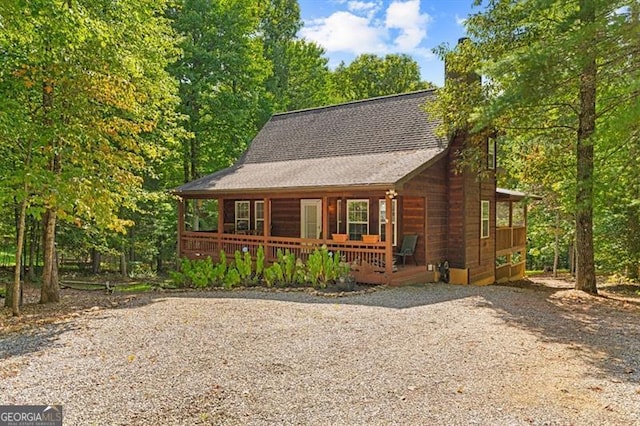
(585, 273)
(15, 291)
(50, 291)
(556, 245)
(33, 241)
(123, 261)
(95, 261)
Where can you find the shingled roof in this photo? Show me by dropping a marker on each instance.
(374, 142)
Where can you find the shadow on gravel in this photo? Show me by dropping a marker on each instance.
(603, 332)
(392, 298)
(34, 340)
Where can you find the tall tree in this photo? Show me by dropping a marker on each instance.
(278, 27)
(370, 75)
(309, 79)
(89, 87)
(222, 75)
(558, 69)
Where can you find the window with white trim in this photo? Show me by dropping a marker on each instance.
(357, 218)
(383, 220)
(484, 218)
(243, 215)
(491, 154)
(338, 216)
(259, 217)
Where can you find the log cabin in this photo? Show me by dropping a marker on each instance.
(359, 177)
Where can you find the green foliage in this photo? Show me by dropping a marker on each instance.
(274, 275)
(232, 279)
(325, 267)
(370, 75)
(259, 262)
(244, 266)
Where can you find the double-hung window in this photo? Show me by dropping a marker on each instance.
(484, 218)
(383, 220)
(259, 219)
(357, 218)
(243, 212)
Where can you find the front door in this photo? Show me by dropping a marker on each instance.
(310, 218)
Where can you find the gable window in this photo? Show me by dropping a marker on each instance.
(259, 219)
(491, 154)
(242, 215)
(383, 220)
(484, 218)
(357, 218)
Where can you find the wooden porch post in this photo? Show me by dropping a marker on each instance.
(180, 225)
(220, 217)
(325, 219)
(511, 221)
(266, 232)
(388, 243)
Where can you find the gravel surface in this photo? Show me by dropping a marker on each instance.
(432, 354)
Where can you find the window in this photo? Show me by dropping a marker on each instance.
(484, 219)
(357, 218)
(259, 220)
(242, 215)
(383, 219)
(339, 216)
(491, 154)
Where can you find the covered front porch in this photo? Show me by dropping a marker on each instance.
(353, 224)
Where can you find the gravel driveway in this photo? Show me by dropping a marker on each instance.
(432, 354)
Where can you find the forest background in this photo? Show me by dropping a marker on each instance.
(107, 106)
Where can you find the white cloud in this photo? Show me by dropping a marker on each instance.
(362, 6)
(406, 17)
(345, 32)
(402, 29)
(460, 20)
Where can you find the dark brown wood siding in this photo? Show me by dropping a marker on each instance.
(466, 247)
(430, 186)
(456, 225)
(285, 217)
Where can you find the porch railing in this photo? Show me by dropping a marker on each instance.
(510, 271)
(208, 244)
(508, 238)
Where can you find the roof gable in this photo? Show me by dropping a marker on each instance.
(377, 125)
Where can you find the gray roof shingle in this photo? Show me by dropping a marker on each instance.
(371, 142)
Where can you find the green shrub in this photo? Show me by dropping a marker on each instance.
(273, 275)
(232, 279)
(259, 262)
(244, 265)
(194, 273)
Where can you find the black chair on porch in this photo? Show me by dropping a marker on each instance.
(408, 248)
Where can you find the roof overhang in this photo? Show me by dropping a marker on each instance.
(503, 194)
(370, 172)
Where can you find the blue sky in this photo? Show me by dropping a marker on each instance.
(347, 28)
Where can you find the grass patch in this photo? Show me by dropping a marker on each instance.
(135, 288)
